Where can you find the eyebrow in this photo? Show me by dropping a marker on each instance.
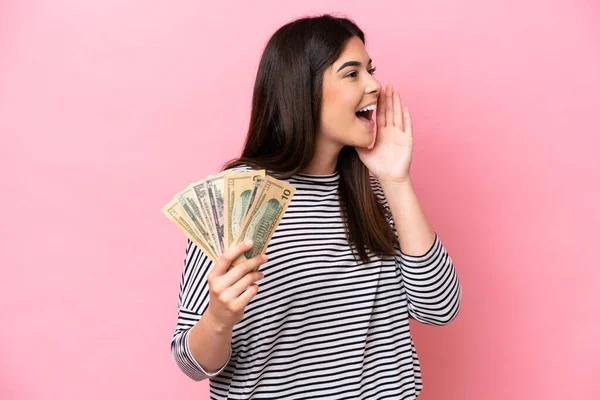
(352, 64)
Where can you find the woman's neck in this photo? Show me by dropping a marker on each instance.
(324, 161)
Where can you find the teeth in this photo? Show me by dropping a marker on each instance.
(372, 107)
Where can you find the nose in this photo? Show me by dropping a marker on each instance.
(373, 87)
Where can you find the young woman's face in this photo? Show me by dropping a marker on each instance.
(347, 89)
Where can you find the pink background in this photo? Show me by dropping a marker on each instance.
(108, 108)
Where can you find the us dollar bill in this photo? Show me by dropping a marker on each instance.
(258, 186)
(240, 191)
(188, 200)
(264, 216)
(206, 212)
(177, 215)
(215, 188)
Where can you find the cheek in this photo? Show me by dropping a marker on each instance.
(338, 120)
(346, 101)
(339, 112)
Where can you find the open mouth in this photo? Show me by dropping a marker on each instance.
(365, 115)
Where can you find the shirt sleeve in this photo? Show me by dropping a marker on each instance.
(193, 301)
(431, 281)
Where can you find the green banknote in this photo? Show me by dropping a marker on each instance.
(264, 216)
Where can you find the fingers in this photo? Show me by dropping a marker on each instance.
(225, 260)
(407, 122)
(242, 301)
(391, 112)
(389, 106)
(381, 111)
(398, 111)
(242, 269)
(240, 286)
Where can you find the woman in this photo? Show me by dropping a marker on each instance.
(353, 257)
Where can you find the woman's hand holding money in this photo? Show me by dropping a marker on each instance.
(232, 289)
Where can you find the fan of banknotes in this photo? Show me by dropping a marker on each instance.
(225, 209)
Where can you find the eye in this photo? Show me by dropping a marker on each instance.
(353, 73)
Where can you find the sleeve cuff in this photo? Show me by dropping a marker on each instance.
(427, 253)
(196, 363)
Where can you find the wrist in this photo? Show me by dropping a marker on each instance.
(395, 181)
(214, 323)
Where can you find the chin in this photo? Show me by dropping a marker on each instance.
(364, 140)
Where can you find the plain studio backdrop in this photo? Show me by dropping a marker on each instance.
(109, 108)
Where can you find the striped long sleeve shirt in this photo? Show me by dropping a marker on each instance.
(322, 325)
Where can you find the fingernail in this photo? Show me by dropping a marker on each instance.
(265, 257)
(249, 242)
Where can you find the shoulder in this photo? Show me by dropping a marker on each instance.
(239, 168)
(195, 258)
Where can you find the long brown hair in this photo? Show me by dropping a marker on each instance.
(285, 115)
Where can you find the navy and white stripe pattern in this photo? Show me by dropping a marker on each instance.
(322, 324)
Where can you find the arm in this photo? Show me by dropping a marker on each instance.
(200, 347)
(413, 229)
(210, 344)
(430, 279)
